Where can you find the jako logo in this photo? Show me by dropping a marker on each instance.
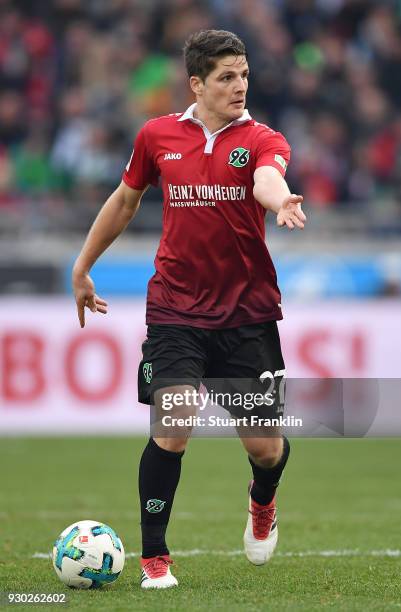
(172, 156)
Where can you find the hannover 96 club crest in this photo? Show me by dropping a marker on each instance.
(239, 157)
(147, 371)
(155, 505)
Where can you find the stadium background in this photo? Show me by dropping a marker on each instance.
(77, 80)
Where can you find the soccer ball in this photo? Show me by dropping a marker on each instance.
(88, 554)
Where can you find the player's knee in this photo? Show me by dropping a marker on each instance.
(267, 453)
(174, 445)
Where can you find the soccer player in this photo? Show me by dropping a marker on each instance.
(213, 303)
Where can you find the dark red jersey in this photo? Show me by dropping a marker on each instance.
(213, 269)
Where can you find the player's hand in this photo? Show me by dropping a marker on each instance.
(85, 296)
(290, 213)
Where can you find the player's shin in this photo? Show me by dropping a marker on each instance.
(266, 480)
(159, 474)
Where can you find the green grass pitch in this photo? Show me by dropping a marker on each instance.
(339, 524)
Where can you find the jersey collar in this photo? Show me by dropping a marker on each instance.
(189, 114)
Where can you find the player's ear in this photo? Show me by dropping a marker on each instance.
(196, 85)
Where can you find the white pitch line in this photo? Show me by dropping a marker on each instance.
(235, 553)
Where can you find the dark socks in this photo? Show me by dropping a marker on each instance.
(266, 481)
(159, 473)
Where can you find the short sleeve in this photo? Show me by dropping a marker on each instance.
(141, 169)
(272, 149)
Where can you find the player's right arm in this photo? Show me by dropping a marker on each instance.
(111, 221)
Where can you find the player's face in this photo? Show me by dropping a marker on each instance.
(223, 93)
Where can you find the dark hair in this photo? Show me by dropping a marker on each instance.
(203, 48)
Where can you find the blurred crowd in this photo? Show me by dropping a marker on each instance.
(79, 77)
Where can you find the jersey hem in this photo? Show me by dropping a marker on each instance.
(274, 316)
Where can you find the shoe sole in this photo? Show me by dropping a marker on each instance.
(153, 586)
(272, 543)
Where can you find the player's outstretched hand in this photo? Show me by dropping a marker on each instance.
(85, 296)
(290, 213)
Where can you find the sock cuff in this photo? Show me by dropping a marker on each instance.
(163, 452)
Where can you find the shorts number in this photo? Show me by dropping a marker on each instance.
(277, 384)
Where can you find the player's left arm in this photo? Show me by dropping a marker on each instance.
(272, 192)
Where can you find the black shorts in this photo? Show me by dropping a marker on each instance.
(234, 359)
